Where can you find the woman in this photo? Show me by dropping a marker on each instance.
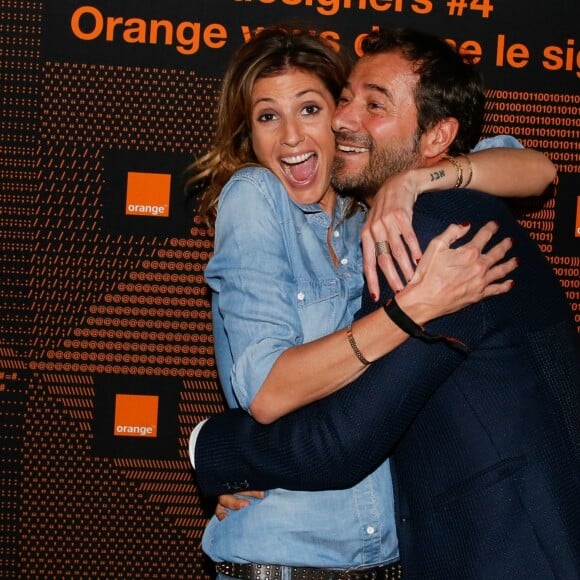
(286, 273)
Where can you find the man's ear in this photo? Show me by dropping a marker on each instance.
(437, 140)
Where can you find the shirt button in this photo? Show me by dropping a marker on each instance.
(344, 261)
(370, 530)
(336, 234)
(300, 296)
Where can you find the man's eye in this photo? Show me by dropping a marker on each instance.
(376, 107)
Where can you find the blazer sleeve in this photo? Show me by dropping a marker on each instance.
(330, 444)
(335, 442)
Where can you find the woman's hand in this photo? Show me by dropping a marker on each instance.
(500, 171)
(228, 502)
(389, 220)
(446, 280)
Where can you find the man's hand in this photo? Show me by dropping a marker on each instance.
(228, 502)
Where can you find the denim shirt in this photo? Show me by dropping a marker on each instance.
(498, 141)
(275, 286)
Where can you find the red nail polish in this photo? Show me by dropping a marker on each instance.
(512, 284)
(374, 297)
(417, 260)
(465, 224)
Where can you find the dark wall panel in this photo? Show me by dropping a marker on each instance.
(106, 357)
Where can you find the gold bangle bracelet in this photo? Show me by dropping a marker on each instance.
(469, 166)
(355, 347)
(455, 164)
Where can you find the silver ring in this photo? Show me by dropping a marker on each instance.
(382, 248)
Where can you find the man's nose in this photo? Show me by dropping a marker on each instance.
(344, 118)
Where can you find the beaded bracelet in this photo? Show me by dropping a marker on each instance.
(408, 325)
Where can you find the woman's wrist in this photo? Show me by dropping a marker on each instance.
(417, 181)
(410, 299)
(402, 319)
(437, 177)
(448, 173)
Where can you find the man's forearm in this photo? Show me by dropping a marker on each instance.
(330, 444)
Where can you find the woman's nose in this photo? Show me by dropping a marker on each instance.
(292, 133)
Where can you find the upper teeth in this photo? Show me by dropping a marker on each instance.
(297, 158)
(352, 149)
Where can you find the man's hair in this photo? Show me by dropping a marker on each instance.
(448, 86)
(270, 52)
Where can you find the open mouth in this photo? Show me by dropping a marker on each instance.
(300, 168)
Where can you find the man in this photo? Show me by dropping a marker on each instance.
(484, 446)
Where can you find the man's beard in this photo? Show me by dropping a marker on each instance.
(383, 163)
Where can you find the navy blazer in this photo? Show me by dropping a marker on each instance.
(485, 448)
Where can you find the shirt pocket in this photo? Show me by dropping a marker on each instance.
(320, 307)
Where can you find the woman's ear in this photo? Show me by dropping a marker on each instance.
(437, 140)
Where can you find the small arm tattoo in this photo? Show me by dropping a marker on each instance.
(437, 175)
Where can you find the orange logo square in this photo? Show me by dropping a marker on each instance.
(148, 194)
(578, 217)
(136, 415)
